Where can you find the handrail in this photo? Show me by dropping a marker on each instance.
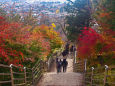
(19, 84)
(5, 82)
(17, 73)
(34, 69)
(19, 78)
(4, 66)
(36, 64)
(101, 75)
(12, 72)
(5, 74)
(27, 75)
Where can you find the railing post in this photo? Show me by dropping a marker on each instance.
(32, 76)
(48, 63)
(74, 61)
(85, 65)
(92, 76)
(41, 66)
(75, 57)
(25, 75)
(105, 75)
(11, 71)
(75, 54)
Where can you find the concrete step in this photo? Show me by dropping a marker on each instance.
(62, 79)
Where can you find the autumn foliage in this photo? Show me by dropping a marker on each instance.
(87, 42)
(92, 44)
(8, 54)
(18, 42)
(99, 43)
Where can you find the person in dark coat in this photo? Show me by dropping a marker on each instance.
(64, 53)
(56, 60)
(59, 65)
(64, 64)
(72, 48)
(72, 51)
(67, 48)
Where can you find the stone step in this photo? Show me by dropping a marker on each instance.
(62, 79)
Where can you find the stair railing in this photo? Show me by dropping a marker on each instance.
(10, 78)
(13, 75)
(78, 65)
(101, 76)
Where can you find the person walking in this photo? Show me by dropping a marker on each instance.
(56, 60)
(59, 65)
(71, 50)
(66, 51)
(74, 48)
(67, 48)
(64, 64)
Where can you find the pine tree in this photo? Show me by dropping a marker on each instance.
(78, 17)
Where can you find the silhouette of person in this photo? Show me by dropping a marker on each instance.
(59, 65)
(64, 64)
(72, 48)
(67, 48)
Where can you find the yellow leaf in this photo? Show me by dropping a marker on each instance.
(51, 29)
(57, 11)
(53, 25)
(34, 31)
(28, 29)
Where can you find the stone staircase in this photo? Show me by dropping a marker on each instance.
(69, 78)
(62, 79)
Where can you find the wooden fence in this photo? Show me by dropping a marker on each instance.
(14, 75)
(38, 70)
(20, 76)
(79, 66)
(102, 76)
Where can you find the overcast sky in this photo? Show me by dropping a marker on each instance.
(46, 0)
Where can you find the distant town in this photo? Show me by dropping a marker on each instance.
(45, 12)
(22, 7)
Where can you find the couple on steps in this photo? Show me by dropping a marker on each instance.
(61, 64)
(65, 53)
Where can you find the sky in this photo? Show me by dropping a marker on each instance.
(45, 0)
(30, 1)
